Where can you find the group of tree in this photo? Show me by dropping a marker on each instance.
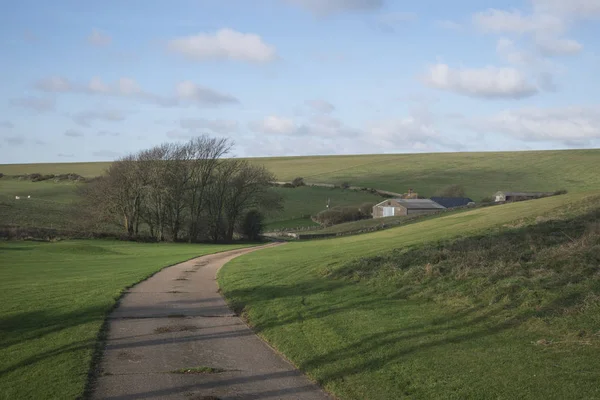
(188, 191)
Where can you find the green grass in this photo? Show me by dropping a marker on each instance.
(52, 205)
(374, 224)
(435, 309)
(53, 301)
(302, 202)
(85, 169)
(482, 174)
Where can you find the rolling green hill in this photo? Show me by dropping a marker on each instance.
(54, 298)
(496, 302)
(52, 205)
(482, 174)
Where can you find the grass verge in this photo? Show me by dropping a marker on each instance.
(54, 298)
(498, 302)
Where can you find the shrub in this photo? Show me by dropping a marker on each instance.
(559, 192)
(338, 215)
(288, 185)
(40, 178)
(298, 182)
(487, 200)
(366, 209)
(1, 175)
(253, 225)
(345, 185)
(451, 191)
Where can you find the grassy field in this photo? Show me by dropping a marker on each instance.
(53, 301)
(482, 174)
(497, 302)
(52, 204)
(302, 202)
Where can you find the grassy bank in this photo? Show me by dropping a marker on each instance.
(498, 302)
(53, 300)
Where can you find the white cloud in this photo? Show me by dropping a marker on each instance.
(584, 9)
(15, 140)
(558, 47)
(329, 7)
(97, 86)
(186, 92)
(566, 124)
(129, 87)
(54, 84)
(274, 125)
(320, 106)
(224, 44)
(6, 124)
(546, 26)
(37, 104)
(73, 133)
(220, 126)
(99, 39)
(500, 21)
(449, 25)
(85, 118)
(108, 133)
(507, 49)
(488, 82)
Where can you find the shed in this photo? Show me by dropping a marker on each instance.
(400, 207)
(518, 196)
(452, 202)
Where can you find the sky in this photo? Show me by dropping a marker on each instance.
(95, 81)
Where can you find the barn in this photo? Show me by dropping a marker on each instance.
(399, 207)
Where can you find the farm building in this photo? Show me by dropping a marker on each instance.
(399, 207)
(519, 196)
(452, 202)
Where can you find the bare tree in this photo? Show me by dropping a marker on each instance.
(120, 193)
(249, 189)
(171, 187)
(205, 155)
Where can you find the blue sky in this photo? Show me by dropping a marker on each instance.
(92, 81)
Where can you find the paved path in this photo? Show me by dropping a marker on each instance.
(177, 319)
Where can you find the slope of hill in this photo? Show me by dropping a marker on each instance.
(52, 205)
(498, 302)
(481, 174)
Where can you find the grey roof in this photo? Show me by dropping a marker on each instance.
(419, 204)
(452, 202)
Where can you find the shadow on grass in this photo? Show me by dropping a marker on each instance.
(19, 328)
(374, 351)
